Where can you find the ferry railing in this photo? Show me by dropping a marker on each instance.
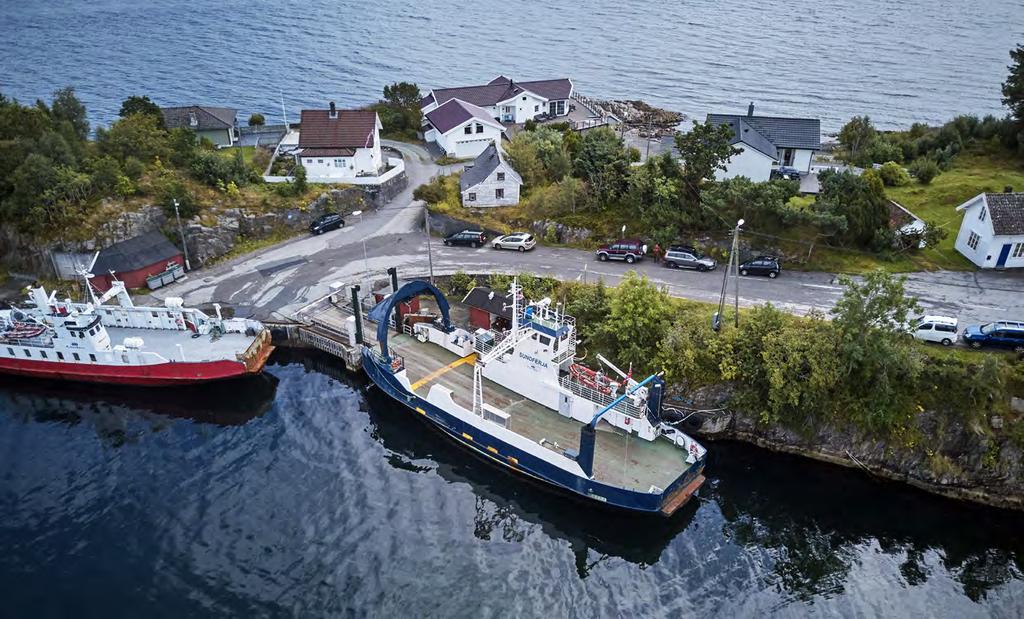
(625, 407)
(396, 365)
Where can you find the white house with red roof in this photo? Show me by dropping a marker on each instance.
(506, 100)
(460, 129)
(339, 145)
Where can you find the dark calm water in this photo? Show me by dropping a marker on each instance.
(303, 494)
(915, 60)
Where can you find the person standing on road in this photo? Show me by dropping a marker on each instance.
(657, 253)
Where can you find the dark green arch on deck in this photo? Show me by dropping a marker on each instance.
(382, 310)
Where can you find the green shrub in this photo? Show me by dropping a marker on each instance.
(924, 170)
(432, 192)
(893, 175)
(171, 189)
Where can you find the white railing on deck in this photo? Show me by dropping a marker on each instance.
(602, 399)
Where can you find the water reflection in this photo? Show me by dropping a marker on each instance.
(507, 505)
(813, 521)
(115, 411)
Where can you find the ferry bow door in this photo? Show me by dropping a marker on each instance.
(564, 404)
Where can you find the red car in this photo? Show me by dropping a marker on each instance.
(629, 250)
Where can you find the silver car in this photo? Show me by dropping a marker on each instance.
(522, 241)
(689, 259)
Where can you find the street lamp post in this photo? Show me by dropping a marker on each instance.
(181, 231)
(366, 262)
(430, 250)
(734, 266)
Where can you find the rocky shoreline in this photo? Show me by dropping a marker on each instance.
(974, 462)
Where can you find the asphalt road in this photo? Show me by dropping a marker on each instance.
(276, 282)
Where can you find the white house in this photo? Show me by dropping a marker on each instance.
(767, 142)
(461, 129)
(336, 145)
(508, 101)
(992, 231)
(490, 180)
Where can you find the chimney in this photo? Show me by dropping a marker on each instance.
(750, 109)
(334, 111)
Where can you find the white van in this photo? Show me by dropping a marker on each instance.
(939, 329)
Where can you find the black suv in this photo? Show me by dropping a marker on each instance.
(473, 238)
(629, 250)
(326, 222)
(762, 265)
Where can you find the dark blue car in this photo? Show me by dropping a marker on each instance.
(1003, 334)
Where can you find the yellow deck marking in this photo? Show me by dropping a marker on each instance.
(470, 359)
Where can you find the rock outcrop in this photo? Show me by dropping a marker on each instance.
(979, 462)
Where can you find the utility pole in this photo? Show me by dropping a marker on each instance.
(430, 251)
(734, 266)
(184, 245)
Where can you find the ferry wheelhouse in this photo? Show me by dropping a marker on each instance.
(519, 398)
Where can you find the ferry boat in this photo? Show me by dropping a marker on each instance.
(519, 398)
(125, 344)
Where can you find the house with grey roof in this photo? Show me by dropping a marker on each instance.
(461, 129)
(506, 100)
(767, 143)
(992, 230)
(217, 124)
(490, 180)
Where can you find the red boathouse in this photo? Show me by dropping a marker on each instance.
(133, 260)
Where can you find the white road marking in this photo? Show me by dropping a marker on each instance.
(822, 286)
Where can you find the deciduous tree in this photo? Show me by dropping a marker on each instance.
(703, 150)
(141, 105)
(857, 137)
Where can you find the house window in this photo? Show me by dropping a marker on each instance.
(561, 108)
(339, 163)
(471, 197)
(479, 128)
(499, 193)
(468, 130)
(1018, 250)
(524, 98)
(319, 160)
(309, 161)
(972, 240)
(983, 214)
(536, 108)
(501, 176)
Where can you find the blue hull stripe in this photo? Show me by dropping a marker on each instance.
(511, 457)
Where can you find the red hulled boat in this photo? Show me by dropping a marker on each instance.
(125, 344)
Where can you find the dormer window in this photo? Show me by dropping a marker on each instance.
(479, 128)
(469, 130)
(192, 120)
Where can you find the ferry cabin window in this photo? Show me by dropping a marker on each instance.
(10, 351)
(75, 355)
(27, 353)
(60, 356)
(545, 340)
(155, 315)
(92, 357)
(42, 353)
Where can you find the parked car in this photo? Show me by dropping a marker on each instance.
(1002, 334)
(629, 250)
(762, 265)
(785, 173)
(682, 257)
(939, 329)
(326, 223)
(473, 238)
(522, 241)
